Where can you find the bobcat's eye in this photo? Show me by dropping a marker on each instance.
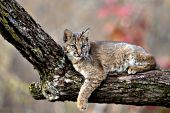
(83, 46)
(71, 46)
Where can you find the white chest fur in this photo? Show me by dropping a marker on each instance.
(76, 67)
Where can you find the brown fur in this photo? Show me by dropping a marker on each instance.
(95, 59)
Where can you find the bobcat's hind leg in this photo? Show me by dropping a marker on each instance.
(145, 63)
(135, 69)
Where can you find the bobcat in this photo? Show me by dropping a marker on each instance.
(95, 59)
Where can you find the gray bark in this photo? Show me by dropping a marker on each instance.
(57, 76)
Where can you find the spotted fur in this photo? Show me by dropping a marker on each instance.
(95, 59)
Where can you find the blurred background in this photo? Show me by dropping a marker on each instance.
(142, 22)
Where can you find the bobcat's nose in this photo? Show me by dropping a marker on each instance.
(79, 52)
(79, 55)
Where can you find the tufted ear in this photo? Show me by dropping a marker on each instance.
(67, 35)
(86, 33)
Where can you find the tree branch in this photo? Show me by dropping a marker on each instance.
(57, 76)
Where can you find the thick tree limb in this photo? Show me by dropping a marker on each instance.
(59, 79)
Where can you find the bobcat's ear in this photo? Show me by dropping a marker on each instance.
(67, 35)
(86, 33)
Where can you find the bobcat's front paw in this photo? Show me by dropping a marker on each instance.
(82, 105)
(132, 70)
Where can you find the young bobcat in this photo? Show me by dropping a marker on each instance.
(95, 59)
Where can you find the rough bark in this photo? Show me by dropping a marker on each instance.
(57, 76)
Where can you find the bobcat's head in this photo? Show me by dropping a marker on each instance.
(76, 45)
